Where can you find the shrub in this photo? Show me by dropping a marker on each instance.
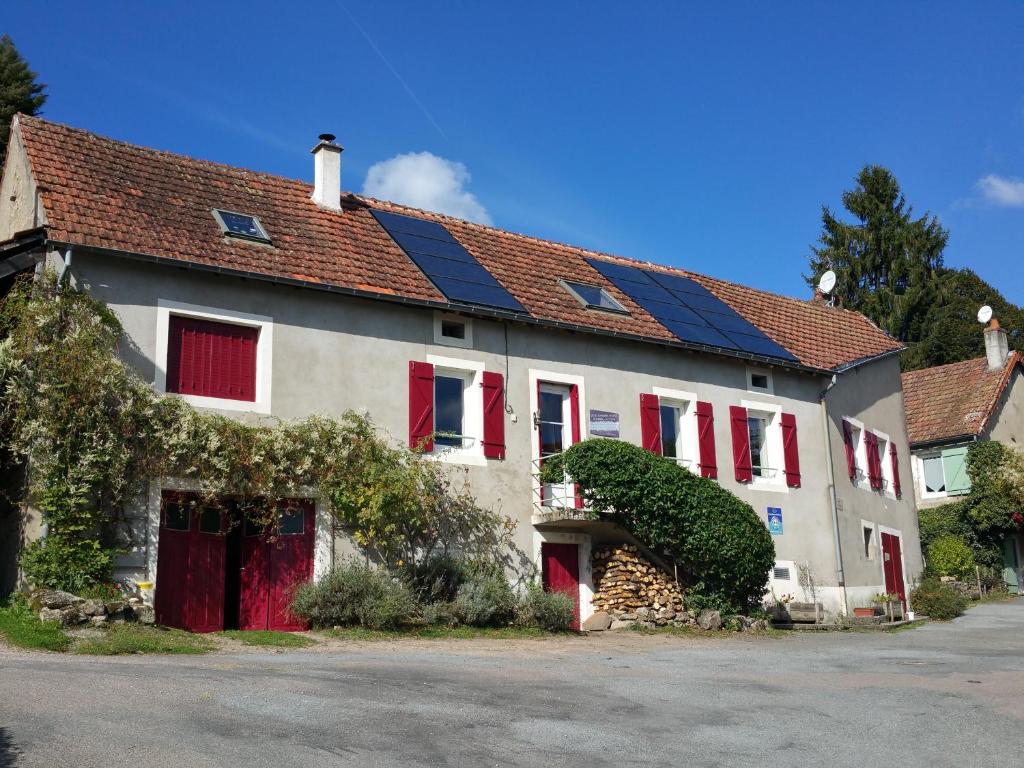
(551, 611)
(440, 614)
(485, 599)
(950, 556)
(355, 593)
(21, 627)
(76, 566)
(437, 579)
(936, 600)
(723, 549)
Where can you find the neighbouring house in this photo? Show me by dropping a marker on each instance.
(951, 406)
(263, 296)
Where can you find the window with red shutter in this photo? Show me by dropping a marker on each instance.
(494, 415)
(740, 444)
(650, 423)
(421, 405)
(895, 459)
(210, 359)
(790, 450)
(874, 466)
(706, 440)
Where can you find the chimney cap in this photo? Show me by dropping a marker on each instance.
(327, 137)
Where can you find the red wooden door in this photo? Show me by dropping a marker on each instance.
(272, 569)
(206, 555)
(892, 561)
(560, 572)
(172, 562)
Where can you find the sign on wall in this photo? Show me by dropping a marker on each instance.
(775, 521)
(604, 424)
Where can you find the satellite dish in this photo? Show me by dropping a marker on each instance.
(984, 314)
(827, 282)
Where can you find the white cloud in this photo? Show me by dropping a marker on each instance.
(1000, 190)
(424, 180)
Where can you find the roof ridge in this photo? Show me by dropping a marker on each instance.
(22, 117)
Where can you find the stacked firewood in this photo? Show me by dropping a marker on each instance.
(625, 582)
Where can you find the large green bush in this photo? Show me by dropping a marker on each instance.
(75, 566)
(950, 556)
(723, 550)
(936, 600)
(355, 594)
(485, 599)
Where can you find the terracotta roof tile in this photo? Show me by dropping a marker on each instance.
(954, 400)
(109, 194)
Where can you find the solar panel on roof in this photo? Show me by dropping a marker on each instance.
(449, 266)
(689, 310)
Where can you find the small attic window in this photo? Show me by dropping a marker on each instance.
(593, 296)
(240, 225)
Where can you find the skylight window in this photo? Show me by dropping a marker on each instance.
(240, 225)
(593, 296)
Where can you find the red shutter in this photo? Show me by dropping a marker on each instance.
(874, 467)
(851, 450)
(574, 407)
(790, 451)
(706, 440)
(894, 457)
(494, 415)
(740, 444)
(211, 359)
(650, 423)
(421, 406)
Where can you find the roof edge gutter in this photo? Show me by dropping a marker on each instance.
(468, 309)
(944, 441)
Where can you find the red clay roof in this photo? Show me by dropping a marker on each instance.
(104, 193)
(955, 400)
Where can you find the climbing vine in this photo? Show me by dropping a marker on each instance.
(93, 433)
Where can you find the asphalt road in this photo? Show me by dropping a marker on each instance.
(942, 695)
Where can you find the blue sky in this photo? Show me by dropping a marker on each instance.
(706, 136)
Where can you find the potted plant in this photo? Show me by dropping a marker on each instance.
(890, 604)
(866, 612)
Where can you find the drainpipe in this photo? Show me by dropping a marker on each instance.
(840, 574)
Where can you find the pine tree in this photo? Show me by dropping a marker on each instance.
(19, 91)
(886, 262)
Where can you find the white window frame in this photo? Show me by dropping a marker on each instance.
(763, 372)
(534, 378)
(448, 341)
(772, 414)
(860, 454)
(885, 463)
(472, 410)
(688, 439)
(165, 308)
(922, 483)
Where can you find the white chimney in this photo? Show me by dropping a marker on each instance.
(327, 173)
(996, 347)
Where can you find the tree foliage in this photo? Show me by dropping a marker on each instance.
(93, 433)
(19, 91)
(721, 546)
(885, 261)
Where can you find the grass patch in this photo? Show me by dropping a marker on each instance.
(996, 597)
(441, 633)
(691, 631)
(20, 627)
(268, 638)
(132, 638)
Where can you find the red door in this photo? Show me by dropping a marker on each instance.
(272, 569)
(190, 566)
(892, 562)
(560, 572)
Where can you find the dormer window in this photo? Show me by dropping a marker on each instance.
(240, 225)
(593, 296)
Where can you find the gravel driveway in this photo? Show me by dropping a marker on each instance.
(942, 695)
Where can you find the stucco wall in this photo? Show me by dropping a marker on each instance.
(20, 209)
(1006, 425)
(872, 394)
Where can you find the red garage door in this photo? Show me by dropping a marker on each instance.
(194, 589)
(273, 565)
